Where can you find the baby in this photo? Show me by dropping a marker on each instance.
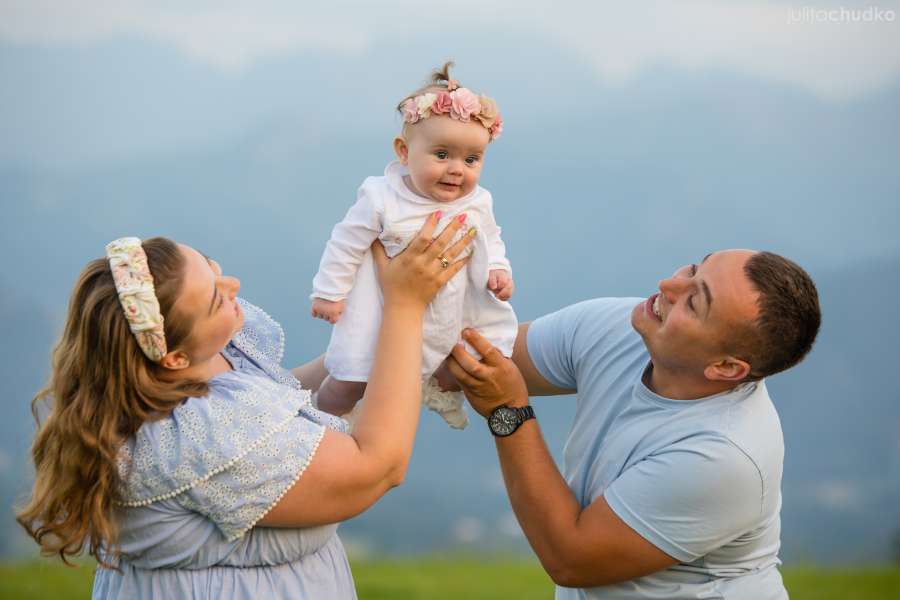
(440, 152)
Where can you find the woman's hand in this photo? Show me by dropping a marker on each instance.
(491, 382)
(413, 277)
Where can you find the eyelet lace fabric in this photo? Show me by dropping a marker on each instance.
(232, 454)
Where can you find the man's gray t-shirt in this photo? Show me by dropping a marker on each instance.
(699, 479)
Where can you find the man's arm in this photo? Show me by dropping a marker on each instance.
(537, 383)
(578, 547)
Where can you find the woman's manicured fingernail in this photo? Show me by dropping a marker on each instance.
(462, 218)
(438, 215)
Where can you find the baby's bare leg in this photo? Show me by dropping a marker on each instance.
(339, 397)
(446, 381)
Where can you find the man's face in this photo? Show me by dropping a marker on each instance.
(687, 325)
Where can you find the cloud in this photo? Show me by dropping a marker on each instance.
(838, 495)
(227, 36)
(468, 530)
(834, 57)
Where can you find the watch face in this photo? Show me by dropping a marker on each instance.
(503, 421)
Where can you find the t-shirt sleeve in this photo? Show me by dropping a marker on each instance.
(238, 496)
(690, 498)
(555, 342)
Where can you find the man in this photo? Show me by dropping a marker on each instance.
(671, 486)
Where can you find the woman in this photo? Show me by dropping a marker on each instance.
(181, 453)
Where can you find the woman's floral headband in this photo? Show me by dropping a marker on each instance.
(458, 103)
(134, 283)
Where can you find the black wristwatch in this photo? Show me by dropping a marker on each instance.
(504, 420)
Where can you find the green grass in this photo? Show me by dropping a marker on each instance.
(436, 578)
(475, 578)
(842, 583)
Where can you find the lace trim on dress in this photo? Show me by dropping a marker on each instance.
(269, 352)
(290, 484)
(183, 488)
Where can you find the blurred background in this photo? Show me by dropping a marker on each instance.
(638, 137)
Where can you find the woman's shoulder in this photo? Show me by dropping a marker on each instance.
(205, 435)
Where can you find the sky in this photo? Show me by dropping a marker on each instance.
(837, 52)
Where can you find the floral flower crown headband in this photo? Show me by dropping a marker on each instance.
(458, 103)
(134, 283)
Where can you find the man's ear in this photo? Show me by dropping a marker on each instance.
(401, 149)
(175, 360)
(727, 369)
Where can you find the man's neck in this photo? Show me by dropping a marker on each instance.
(679, 385)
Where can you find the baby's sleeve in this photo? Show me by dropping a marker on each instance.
(349, 242)
(495, 246)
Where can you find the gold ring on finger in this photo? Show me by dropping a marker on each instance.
(444, 262)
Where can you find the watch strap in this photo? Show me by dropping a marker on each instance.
(525, 413)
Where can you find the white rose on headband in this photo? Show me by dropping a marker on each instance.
(423, 104)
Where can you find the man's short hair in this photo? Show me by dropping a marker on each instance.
(789, 316)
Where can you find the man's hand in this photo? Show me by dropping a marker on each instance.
(329, 310)
(445, 379)
(500, 282)
(493, 381)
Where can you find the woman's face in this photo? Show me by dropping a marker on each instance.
(208, 300)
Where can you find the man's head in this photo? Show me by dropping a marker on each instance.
(737, 315)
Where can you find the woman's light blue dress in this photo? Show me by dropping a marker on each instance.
(196, 482)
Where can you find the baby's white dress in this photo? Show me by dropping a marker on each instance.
(388, 210)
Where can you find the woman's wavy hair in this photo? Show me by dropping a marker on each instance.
(101, 389)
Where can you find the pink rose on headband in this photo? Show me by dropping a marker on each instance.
(497, 128)
(442, 103)
(465, 103)
(410, 111)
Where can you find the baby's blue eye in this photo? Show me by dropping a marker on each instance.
(471, 160)
(441, 154)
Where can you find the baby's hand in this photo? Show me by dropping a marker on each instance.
(500, 282)
(329, 310)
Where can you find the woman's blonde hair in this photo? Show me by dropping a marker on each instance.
(101, 389)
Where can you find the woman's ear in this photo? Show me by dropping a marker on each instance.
(401, 149)
(175, 360)
(727, 369)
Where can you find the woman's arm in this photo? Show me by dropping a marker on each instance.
(350, 472)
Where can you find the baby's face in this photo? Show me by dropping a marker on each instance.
(444, 156)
